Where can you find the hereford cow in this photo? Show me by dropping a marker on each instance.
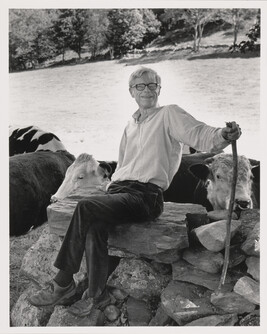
(33, 178)
(186, 187)
(32, 139)
(216, 177)
(85, 174)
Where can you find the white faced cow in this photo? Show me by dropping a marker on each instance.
(85, 175)
(217, 175)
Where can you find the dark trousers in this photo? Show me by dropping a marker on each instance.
(93, 218)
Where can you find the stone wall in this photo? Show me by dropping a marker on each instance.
(167, 272)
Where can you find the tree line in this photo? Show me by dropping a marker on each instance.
(36, 35)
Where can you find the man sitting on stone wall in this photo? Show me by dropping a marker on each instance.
(149, 156)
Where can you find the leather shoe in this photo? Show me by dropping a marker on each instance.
(53, 294)
(84, 306)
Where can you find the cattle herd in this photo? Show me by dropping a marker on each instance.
(42, 170)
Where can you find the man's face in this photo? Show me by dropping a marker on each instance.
(146, 98)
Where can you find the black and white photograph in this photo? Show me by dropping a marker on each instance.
(133, 165)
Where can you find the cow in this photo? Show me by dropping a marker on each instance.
(215, 181)
(84, 174)
(32, 139)
(186, 186)
(33, 178)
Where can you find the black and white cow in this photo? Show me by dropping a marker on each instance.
(32, 139)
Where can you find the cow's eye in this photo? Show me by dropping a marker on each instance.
(218, 176)
(80, 177)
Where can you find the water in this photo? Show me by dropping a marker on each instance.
(87, 106)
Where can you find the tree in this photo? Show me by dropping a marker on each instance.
(97, 25)
(78, 30)
(237, 17)
(193, 19)
(61, 31)
(25, 28)
(128, 29)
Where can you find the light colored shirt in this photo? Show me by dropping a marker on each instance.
(152, 144)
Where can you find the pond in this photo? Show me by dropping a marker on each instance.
(87, 106)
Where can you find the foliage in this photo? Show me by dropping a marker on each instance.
(27, 36)
(130, 28)
(237, 17)
(194, 19)
(97, 25)
(36, 35)
(253, 35)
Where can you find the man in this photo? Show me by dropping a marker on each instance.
(149, 156)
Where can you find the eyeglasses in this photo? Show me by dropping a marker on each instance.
(152, 86)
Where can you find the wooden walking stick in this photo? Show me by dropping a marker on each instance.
(229, 217)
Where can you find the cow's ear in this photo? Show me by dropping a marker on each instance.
(200, 170)
(107, 168)
(256, 173)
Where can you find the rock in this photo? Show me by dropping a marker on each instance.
(212, 236)
(138, 279)
(249, 289)
(183, 271)
(204, 260)
(251, 319)
(161, 318)
(185, 302)
(215, 320)
(24, 314)
(253, 264)
(231, 302)
(248, 218)
(112, 312)
(251, 246)
(119, 294)
(236, 256)
(37, 263)
(62, 318)
(162, 268)
(220, 215)
(159, 240)
(138, 312)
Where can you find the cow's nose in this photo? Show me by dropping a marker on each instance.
(243, 204)
(53, 199)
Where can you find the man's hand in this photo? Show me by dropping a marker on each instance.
(231, 132)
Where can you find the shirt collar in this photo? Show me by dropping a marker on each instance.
(139, 116)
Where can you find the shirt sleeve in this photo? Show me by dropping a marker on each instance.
(186, 129)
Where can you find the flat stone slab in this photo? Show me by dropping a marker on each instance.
(158, 240)
(138, 279)
(183, 271)
(249, 289)
(232, 302)
(220, 215)
(215, 320)
(185, 302)
(204, 260)
(212, 236)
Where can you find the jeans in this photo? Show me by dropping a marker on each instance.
(93, 218)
